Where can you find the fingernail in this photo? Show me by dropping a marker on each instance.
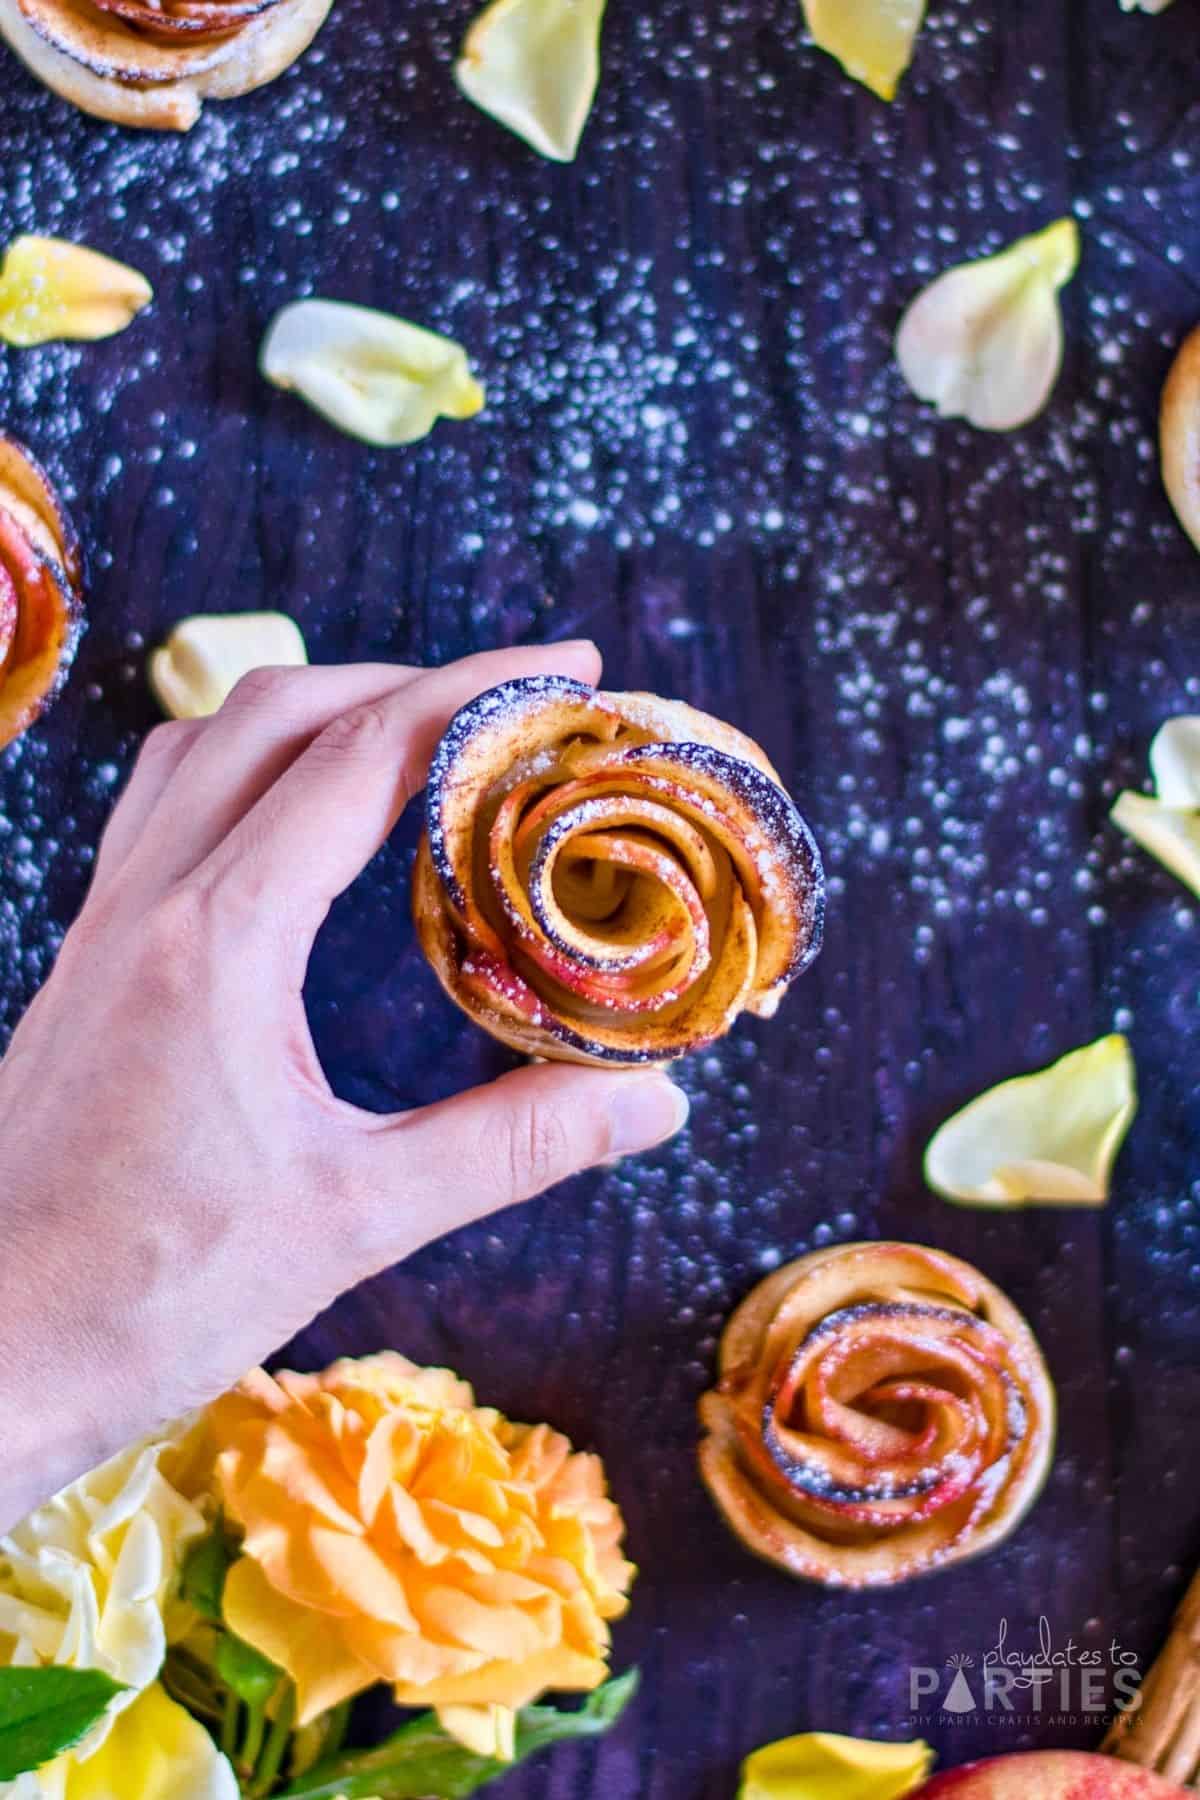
(574, 644)
(643, 1111)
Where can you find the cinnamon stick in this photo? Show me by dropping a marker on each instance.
(1160, 1729)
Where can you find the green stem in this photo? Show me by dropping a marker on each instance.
(189, 1682)
(229, 1725)
(335, 1733)
(267, 1772)
(256, 1725)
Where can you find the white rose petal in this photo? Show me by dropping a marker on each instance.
(1167, 823)
(369, 373)
(534, 65)
(1175, 761)
(90, 1581)
(1171, 833)
(1045, 1139)
(985, 341)
(205, 657)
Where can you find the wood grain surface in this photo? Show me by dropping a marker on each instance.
(956, 647)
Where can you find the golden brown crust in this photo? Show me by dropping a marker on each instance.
(881, 1410)
(1179, 435)
(41, 604)
(610, 878)
(99, 54)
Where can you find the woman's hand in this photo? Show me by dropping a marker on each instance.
(179, 1189)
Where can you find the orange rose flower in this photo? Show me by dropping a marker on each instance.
(394, 1531)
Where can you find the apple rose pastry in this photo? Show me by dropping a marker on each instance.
(1179, 435)
(882, 1410)
(154, 63)
(41, 572)
(610, 878)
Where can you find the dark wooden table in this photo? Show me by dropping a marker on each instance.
(955, 646)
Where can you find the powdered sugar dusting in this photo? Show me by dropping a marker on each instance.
(954, 649)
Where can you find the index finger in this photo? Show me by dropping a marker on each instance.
(194, 780)
(325, 817)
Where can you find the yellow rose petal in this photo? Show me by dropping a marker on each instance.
(872, 39)
(487, 1730)
(821, 1766)
(155, 1751)
(325, 1669)
(373, 375)
(51, 290)
(1049, 1138)
(534, 66)
(205, 657)
(985, 341)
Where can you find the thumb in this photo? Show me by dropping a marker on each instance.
(442, 1166)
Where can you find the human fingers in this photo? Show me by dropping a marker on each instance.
(157, 760)
(429, 1171)
(322, 821)
(232, 759)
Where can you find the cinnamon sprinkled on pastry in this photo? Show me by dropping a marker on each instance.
(882, 1410)
(41, 603)
(610, 877)
(154, 65)
(1179, 435)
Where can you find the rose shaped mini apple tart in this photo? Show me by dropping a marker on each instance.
(610, 878)
(1179, 435)
(41, 571)
(882, 1410)
(154, 63)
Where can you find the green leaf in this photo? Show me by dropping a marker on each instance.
(204, 1570)
(241, 1668)
(46, 1711)
(244, 1670)
(422, 1762)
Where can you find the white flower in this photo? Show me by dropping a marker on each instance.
(89, 1581)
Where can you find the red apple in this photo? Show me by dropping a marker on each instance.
(193, 23)
(10, 614)
(1049, 1775)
